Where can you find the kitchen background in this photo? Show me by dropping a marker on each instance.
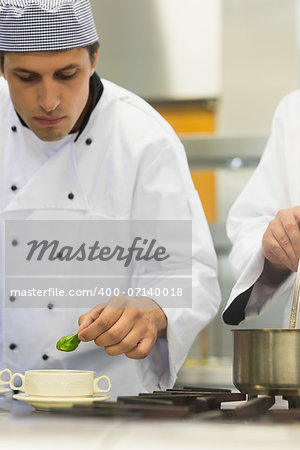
(216, 70)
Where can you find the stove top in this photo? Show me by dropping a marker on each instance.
(192, 403)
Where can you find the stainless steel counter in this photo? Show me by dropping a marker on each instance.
(23, 427)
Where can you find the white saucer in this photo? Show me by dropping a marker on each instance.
(45, 403)
(4, 390)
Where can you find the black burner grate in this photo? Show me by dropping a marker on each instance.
(194, 403)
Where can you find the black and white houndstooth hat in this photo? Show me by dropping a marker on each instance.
(45, 25)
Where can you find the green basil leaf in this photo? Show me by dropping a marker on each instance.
(68, 343)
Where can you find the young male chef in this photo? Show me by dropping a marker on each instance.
(263, 223)
(74, 146)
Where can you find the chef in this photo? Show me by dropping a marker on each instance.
(77, 147)
(263, 223)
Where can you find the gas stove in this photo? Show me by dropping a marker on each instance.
(196, 403)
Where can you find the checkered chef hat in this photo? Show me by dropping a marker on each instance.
(45, 25)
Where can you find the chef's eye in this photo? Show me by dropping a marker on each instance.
(26, 77)
(66, 75)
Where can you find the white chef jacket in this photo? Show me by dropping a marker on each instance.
(274, 185)
(126, 157)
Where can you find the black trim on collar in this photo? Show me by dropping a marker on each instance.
(96, 88)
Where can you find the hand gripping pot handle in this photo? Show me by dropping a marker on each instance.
(97, 389)
(4, 371)
(12, 382)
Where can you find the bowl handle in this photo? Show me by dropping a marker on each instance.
(2, 373)
(97, 388)
(12, 385)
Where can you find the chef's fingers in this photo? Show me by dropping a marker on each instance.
(133, 325)
(107, 318)
(116, 333)
(88, 318)
(285, 228)
(85, 320)
(277, 247)
(142, 349)
(117, 303)
(290, 220)
(137, 344)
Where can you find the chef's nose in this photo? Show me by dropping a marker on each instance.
(49, 98)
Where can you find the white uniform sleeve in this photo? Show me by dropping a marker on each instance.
(166, 188)
(268, 191)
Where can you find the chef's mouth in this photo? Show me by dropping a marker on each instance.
(49, 121)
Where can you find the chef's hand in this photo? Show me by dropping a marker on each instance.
(281, 241)
(124, 325)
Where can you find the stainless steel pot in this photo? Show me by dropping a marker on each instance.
(267, 361)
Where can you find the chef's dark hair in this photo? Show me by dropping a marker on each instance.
(92, 49)
(1, 61)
